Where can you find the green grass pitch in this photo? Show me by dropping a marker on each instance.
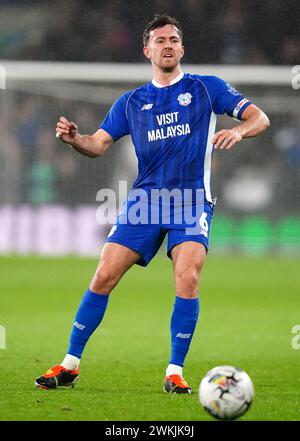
(248, 309)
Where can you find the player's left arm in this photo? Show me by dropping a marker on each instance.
(254, 120)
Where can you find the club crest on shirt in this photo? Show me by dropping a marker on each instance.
(184, 99)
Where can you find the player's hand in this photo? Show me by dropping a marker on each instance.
(227, 138)
(66, 130)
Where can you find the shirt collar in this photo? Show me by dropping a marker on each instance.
(178, 78)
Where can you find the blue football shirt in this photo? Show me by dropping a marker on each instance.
(172, 127)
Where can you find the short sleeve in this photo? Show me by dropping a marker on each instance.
(115, 123)
(225, 98)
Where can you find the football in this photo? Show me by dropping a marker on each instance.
(226, 392)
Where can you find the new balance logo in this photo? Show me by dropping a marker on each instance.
(183, 335)
(147, 106)
(79, 326)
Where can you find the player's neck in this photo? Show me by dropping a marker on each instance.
(166, 78)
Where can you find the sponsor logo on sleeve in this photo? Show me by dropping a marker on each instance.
(231, 89)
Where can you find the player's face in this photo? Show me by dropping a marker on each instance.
(164, 48)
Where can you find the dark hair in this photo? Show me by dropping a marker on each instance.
(159, 21)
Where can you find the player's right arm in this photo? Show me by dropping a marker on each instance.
(89, 145)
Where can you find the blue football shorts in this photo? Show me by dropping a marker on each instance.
(146, 237)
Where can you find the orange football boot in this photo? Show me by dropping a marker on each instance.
(175, 384)
(56, 377)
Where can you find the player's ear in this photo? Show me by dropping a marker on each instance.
(147, 51)
(182, 51)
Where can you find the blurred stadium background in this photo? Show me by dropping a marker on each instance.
(63, 58)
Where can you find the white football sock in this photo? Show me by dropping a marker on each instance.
(70, 362)
(174, 369)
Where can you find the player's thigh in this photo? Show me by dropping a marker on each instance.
(115, 260)
(118, 256)
(187, 256)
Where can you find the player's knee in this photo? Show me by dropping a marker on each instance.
(103, 280)
(187, 279)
